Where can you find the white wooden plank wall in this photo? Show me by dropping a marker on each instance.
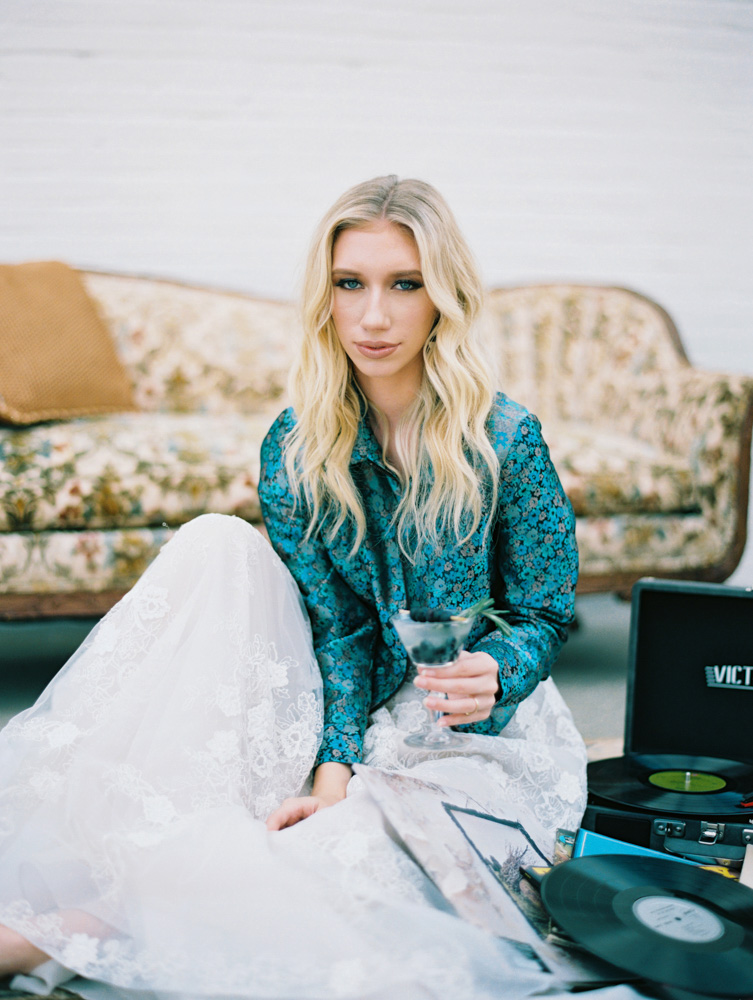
(598, 140)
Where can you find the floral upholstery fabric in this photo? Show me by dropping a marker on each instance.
(649, 544)
(607, 473)
(647, 447)
(650, 449)
(574, 353)
(194, 349)
(52, 562)
(130, 470)
(48, 562)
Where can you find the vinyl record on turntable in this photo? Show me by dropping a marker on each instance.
(673, 783)
(670, 923)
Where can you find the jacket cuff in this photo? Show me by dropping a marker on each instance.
(493, 726)
(343, 748)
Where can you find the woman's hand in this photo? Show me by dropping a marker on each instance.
(330, 784)
(292, 811)
(471, 685)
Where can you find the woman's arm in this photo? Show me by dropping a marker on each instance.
(343, 632)
(344, 628)
(535, 572)
(536, 563)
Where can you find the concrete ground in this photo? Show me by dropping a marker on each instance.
(30, 655)
(591, 671)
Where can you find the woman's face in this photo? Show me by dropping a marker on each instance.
(380, 307)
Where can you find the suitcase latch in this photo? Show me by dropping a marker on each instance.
(711, 832)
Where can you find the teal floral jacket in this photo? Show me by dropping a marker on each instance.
(528, 563)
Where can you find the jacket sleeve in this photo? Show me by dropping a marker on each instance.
(534, 574)
(344, 628)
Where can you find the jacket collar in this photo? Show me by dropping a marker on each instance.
(366, 447)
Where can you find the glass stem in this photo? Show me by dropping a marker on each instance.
(436, 733)
(433, 713)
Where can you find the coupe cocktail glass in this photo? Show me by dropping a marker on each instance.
(434, 645)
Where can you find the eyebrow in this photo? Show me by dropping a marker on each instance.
(395, 274)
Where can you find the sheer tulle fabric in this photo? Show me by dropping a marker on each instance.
(132, 795)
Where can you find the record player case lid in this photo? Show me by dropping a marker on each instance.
(690, 670)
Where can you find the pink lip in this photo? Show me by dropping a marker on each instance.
(375, 348)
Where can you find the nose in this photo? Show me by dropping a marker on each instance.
(375, 316)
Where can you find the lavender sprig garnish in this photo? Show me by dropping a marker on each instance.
(486, 608)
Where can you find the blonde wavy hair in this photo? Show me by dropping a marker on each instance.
(447, 460)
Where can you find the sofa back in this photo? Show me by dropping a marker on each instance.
(574, 353)
(198, 350)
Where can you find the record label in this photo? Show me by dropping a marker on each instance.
(679, 919)
(673, 783)
(687, 781)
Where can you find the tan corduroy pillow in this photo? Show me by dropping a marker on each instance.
(57, 358)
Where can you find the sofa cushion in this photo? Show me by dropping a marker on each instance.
(607, 473)
(130, 470)
(137, 470)
(57, 358)
(68, 562)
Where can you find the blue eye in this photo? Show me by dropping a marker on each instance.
(349, 284)
(406, 285)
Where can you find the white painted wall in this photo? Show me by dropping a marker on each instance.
(597, 140)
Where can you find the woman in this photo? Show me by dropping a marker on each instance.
(132, 852)
(401, 501)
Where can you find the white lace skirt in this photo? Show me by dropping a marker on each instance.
(133, 794)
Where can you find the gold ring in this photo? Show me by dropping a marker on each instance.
(476, 709)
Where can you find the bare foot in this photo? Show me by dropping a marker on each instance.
(17, 954)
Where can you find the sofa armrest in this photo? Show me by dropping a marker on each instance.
(705, 417)
(687, 412)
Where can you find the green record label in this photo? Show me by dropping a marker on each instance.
(687, 781)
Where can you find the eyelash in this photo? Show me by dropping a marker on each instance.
(346, 282)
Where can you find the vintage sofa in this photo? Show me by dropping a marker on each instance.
(653, 452)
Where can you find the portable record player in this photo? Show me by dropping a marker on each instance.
(685, 783)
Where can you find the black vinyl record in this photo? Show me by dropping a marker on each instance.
(668, 922)
(674, 783)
